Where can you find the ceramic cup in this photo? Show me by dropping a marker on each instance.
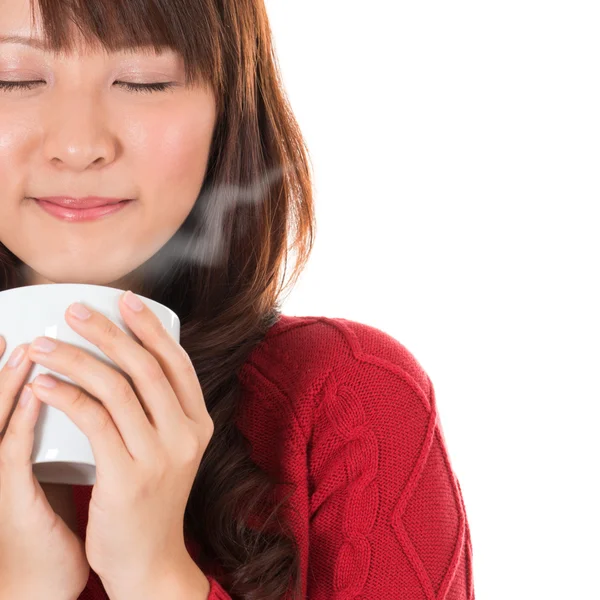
(61, 452)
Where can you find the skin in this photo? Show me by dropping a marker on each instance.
(80, 134)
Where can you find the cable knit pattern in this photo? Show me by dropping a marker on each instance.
(347, 414)
(347, 419)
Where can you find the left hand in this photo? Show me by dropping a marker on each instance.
(147, 442)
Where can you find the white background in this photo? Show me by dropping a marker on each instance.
(456, 151)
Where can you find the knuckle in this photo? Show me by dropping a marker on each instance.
(79, 398)
(192, 440)
(77, 358)
(118, 385)
(210, 427)
(153, 371)
(122, 389)
(91, 410)
(99, 419)
(110, 331)
(187, 365)
(207, 428)
(190, 448)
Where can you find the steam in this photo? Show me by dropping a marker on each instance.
(202, 239)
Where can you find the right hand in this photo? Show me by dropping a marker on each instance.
(40, 556)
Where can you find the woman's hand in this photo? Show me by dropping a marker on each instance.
(41, 555)
(148, 439)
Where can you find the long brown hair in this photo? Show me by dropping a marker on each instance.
(224, 271)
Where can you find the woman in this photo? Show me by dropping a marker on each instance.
(321, 469)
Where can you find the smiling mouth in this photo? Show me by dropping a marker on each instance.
(77, 215)
(81, 203)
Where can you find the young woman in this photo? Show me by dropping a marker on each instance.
(291, 457)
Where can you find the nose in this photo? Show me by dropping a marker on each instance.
(77, 134)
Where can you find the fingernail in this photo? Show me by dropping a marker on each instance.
(133, 301)
(43, 344)
(79, 311)
(16, 357)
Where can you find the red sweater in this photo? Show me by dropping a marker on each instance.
(345, 411)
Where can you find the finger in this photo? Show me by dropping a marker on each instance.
(11, 382)
(151, 384)
(173, 360)
(107, 385)
(16, 447)
(92, 418)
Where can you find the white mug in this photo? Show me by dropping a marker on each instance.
(61, 452)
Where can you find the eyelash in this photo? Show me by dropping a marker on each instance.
(134, 87)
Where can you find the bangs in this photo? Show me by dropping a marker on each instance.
(189, 27)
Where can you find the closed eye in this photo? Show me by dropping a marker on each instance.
(146, 87)
(134, 87)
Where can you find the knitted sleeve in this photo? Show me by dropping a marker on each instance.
(387, 518)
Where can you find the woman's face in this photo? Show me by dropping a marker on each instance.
(80, 132)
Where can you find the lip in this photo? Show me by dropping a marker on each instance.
(80, 203)
(81, 214)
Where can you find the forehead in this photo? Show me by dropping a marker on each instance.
(17, 26)
(16, 17)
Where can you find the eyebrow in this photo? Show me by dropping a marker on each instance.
(21, 39)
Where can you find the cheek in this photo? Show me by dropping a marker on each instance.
(172, 149)
(184, 154)
(170, 159)
(13, 143)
